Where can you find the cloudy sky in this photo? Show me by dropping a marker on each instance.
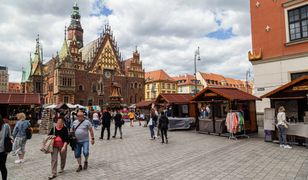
(167, 32)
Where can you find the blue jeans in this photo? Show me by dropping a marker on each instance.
(282, 135)
(95, 123)
(82, 146)
(152, 131)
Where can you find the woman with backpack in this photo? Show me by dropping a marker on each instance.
(20, 137)
(5, 131)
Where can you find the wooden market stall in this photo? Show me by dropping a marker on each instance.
(13, 103)
(179, 109)
(294, 97)
(223, 103)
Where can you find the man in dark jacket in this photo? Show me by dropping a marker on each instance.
(118, 122)
(163, 126)
(106, 121)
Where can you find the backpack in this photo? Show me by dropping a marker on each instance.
(29, 132)
(8, 145)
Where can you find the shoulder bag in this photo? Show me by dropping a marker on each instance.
(47, 146)
(72, 137)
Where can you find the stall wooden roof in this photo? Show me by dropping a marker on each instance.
(224, 92)
(19, 99)
(144, 104)
(174, 98)
(295, 88)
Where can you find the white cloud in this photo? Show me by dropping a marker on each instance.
(167, 32)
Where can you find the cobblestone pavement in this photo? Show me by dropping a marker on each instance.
(188, 155)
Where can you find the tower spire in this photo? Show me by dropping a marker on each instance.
(65, 32)
(74, 29)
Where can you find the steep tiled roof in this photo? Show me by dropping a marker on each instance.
(159, 75)
(174, 98)
(186, 79)
(228, 93)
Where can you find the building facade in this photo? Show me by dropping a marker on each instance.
(211, 79)
(186, 84)
(279, 44)
(91, 74)
(157, 82)
(14, 87)
(4, 79)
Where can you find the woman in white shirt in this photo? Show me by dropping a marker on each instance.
(282, 126)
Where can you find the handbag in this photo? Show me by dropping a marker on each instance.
(72, 137)
(47, 146)
(29, 133)
(150, 122)
(8, 145)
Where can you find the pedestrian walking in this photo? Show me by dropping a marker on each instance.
(95, 118)
(141, 118)
(59, 147)
(106, 122)
(82, 128)
(163, 126)
(5, 131)
(131, 116)
(152, 123)
(282, 126)
(20, 137)
(118, 122)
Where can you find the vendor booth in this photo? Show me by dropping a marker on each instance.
(179, 110)
(144, 107)
(13, 103)
(226, 110)
(293, 96)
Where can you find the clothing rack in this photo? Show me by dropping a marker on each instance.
(232, 135)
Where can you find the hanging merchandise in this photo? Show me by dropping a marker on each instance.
(235, 122)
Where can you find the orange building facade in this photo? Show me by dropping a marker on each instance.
(279, 44)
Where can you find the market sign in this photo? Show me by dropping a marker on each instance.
(210, 95)
(300, 88)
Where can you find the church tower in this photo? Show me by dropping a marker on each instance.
(75, 30)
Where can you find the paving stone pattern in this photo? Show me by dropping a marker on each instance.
(188, 156)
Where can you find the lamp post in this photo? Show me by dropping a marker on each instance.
(248, 74)
(196, 57)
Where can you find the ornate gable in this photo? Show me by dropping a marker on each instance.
(106, 58)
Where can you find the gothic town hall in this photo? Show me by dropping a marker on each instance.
(91, 74)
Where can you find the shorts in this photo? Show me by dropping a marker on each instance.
(131, 119)
(19, 146)
(82, 146)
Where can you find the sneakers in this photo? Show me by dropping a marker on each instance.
(85, 166)
(52, 176)
(281, 145)
(113, 136)
(79, 168)
(61, 171)
(18, 161)
(287, 147)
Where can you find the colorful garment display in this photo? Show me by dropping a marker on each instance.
(235, 122)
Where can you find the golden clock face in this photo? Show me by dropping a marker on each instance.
(107, 74)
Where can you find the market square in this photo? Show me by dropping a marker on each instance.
(105, 89)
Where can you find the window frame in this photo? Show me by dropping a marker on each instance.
(287, 28)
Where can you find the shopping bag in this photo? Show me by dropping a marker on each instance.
(47, 146)
(150, 122)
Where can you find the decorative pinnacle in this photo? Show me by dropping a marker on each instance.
(65, 32)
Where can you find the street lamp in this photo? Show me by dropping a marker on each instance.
(248, 74)
(197, 57)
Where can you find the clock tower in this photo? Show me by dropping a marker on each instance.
(75, 30)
